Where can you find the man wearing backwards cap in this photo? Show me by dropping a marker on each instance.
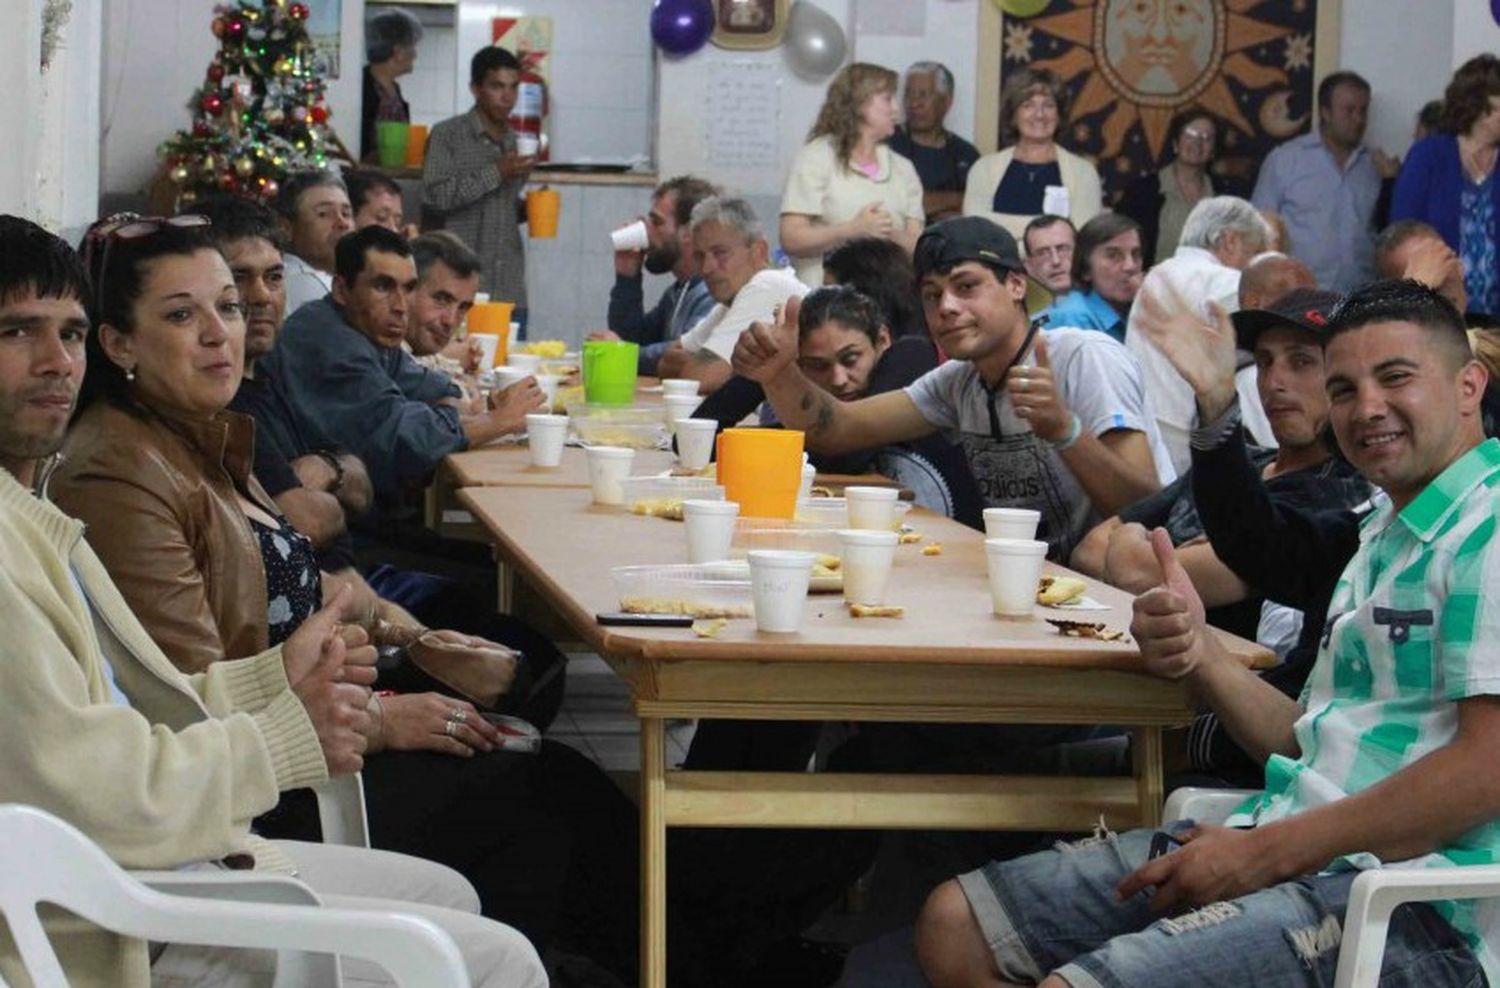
(1061, 426)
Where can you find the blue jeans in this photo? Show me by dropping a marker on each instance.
(1056, 911)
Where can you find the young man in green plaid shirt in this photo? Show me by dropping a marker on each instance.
(1386, 758)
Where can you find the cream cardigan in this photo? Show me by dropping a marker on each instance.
(174, 778)
(1085, 198)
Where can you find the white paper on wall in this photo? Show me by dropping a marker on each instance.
(892, 18)
(742, 115)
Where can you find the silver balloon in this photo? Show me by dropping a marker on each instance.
(815, 46)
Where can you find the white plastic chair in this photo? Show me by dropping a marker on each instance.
(1374, 896)
(44, 859)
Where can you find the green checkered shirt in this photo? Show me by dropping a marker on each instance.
(1409, 633)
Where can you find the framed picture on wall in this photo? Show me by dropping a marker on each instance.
(749, 25)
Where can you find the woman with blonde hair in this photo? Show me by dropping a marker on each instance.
(845, 182)
(1032, 175)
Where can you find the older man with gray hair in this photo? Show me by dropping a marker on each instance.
(734, 260)
(1220, 237)
(942, 159)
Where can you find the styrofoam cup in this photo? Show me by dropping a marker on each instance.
(778, 583)
(545, 436)
(872, 508)
(528, 362)
(489, 345)
(528, 145)
(1011, 523)
(1015, 566)
(809, 474)
(695, 442)
(549, 384)
(608, 468)
(685, 386)
(631, 236)
(506, 376)
(678, 407)
(710, 529)
(866, 564)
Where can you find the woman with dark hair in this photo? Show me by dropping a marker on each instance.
(160, 472)
(845, 346)
(882, 270)
(1449, 179)
(1032, 175)
(1107, 274)
(1160, 201)
(846, 182)
(391, 39)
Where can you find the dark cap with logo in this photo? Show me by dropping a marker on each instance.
(974, 238)
(1301, 308)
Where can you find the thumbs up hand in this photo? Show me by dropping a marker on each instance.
(1034, 396)
(1168, 623)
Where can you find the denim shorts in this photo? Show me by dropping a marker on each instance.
(1056, 912)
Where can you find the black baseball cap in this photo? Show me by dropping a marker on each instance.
(974, 238)
(1301, 308)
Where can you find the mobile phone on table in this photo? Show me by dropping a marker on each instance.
(645, 620)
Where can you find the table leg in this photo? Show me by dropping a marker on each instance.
(653, 853)
(1146, 751)
(505, 581)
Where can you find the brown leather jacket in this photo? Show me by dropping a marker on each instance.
(158, 497)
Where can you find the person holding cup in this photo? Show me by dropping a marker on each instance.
(667, 248)
(391, 38)
(474, 174)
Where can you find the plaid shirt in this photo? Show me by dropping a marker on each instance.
(461, 180)
(1409, 634)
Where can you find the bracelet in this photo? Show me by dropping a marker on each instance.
(330, 458)
(1074, 431)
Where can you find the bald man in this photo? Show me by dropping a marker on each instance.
(1271, 276)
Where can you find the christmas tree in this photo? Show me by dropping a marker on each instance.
(261, 111)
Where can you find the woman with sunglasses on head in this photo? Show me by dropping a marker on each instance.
(160, 471)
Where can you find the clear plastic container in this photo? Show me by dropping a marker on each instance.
(710, 590)
(833, 512)
(633, 428)
(753, 533)
(662, 497)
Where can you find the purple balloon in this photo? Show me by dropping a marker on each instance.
(1495, 10)
(681, 27)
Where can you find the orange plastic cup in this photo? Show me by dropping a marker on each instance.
(416, 145)
(761, 469)
(543, 207)
(493, 319)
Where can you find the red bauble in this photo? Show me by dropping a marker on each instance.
(319, 113)
(298, 11)
(213, 104)
(215, 71)
(270, 189)
(229, 183)
(235, 28)
(201, 130)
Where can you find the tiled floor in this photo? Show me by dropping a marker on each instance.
(596, 719)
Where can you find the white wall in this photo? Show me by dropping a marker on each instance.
(1368, 45)
(155, 54)
(1474, 30)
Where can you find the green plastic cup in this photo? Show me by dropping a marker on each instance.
(390, 142)
(609, 369)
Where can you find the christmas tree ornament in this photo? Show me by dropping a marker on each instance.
(178, 174)
(319, 113)
(234, 28)
(245, 166)
(216, 71)
(213, 103)
(298, 12)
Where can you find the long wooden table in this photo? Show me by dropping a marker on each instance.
(949, 660)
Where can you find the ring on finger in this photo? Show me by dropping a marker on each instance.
(450, 727)
(457, 715)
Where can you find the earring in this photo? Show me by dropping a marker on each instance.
(130, 373)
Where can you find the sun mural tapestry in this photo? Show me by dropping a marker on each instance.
(1131, 66)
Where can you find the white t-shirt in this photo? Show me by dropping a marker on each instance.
(756, 302)
(820, 187)
(304, 283)
(1197, 277)
(1098, 380)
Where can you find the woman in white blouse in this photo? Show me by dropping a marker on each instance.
(845, 183)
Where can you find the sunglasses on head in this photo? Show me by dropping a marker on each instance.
(129, 226)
